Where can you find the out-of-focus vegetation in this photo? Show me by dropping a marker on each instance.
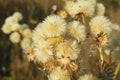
(112, 9)
(13, 63)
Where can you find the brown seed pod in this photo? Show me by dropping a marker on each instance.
(106, 71)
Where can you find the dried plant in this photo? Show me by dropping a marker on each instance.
(66, 39)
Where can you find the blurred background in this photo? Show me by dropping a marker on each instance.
(13, 63)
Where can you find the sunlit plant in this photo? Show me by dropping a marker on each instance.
(56, 42)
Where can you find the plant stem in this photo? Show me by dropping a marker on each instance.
(116, 71)
(101, 55)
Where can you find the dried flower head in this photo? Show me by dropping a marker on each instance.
(54, 26)
(101, 39)
(38, 34)
(15, 27)
(50, 65)
(84, 7)
(93, 2)
(42, 51)
(68, 6)
(59, 74)
(24, 26)
(76, 30)
(68, 49)
(87, 77)
(27, 33)
(100, 24)
(62, 13)
(106, 71)
(11, 20)
(74, 66)
(15, 37)
(18, 15)
(25, 43)
(6, 28)
(64, 61)
(100, 10)
(56, 42)
(30, 54)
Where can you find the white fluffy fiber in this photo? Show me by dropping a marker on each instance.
(87, 77)
(6, 28)
(18, 16)
(15, 37)
(27, 33)
(38, 34)
(15, 18)
(68, 6)
(100, 9)
(76, 30)
(12, 23)
(82, 7)
(15, 27)
(11, 20)
(100, 24)
(42, 51)
(67, 49)
(59, 74)
(25, 43)
(54, 26)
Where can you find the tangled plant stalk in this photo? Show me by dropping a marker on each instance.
(55, 43)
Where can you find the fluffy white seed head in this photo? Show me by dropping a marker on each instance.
(39, 25)
(38, 34)
(43, 51)
(27, 33)
(93, 2)
(100, 24)
(15, 18)
(87, 77)
(54, 7)
(11, 20)
(68, 6)
(6, 28)
(84, 7)
(29, 53)
(15, 27)
(67, 49)
(59, 74)
(18, 16)
(76, 30)
(25, 43)
(23, 27)
(64, 61)
(100, 9)
(54, 26)
(15, 37)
